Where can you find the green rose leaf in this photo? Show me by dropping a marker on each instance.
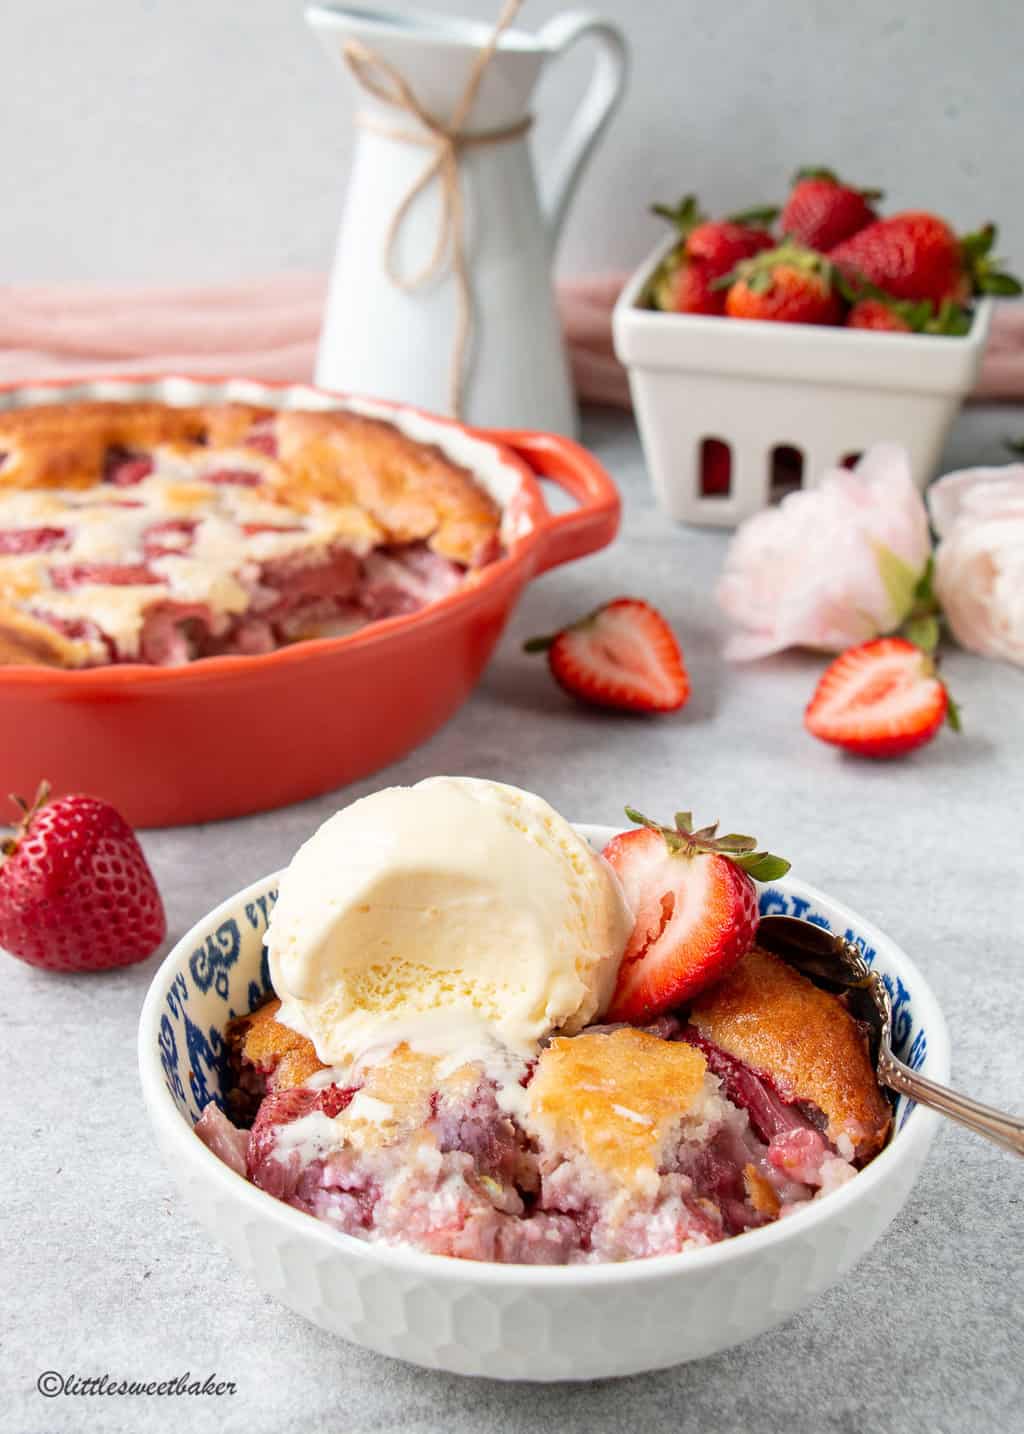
(900, 581)
(923, 632)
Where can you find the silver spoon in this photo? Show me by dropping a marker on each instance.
(836, 962)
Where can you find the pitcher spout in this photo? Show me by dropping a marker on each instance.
(436, 54)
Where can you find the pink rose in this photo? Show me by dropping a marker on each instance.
(979, 563)
(830, 566)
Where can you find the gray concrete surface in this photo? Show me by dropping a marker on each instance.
(209, 139)
(105, 1272)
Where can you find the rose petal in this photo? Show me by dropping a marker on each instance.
(807, 572)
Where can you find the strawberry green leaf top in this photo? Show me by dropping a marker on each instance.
(682, 840)
(684, 216)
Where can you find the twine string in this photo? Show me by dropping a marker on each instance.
(446, 138)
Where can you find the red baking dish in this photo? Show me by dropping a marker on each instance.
(229, 735)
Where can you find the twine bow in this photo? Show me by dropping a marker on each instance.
(447, 140)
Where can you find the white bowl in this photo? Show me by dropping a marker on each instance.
(827, 392)
(512, 1321)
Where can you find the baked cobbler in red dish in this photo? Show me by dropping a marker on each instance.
(143, 532)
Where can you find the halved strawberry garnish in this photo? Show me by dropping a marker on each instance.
(623, 655)
(880, 699)
(695, 907)
(32, 540)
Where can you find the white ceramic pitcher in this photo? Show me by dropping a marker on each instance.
(383, 339)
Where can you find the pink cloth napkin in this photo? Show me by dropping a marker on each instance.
(268, 329)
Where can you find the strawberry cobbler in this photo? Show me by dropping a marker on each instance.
(681, 1088)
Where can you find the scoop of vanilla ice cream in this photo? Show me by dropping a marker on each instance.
(442, 914)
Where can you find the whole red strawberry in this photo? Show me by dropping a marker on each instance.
(789, 285)
(689, 288)
(878, 315)
(916, 255)
(720, 244)
(76, 893)
(684, 280)
(695, 907)
(906, 317)
(624, 655)
(822, 211)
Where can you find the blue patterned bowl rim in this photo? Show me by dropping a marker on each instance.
(218, 969)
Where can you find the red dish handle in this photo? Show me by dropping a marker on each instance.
(565, 536)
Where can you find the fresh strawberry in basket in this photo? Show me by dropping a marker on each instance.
(916, 255)
(623, 655)
(789, 284)
(76, 893)
(893, 316)
(683, 283)
(822, 211)
(695, 907)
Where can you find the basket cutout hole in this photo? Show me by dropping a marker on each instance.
(715, 459)
(787, 470)
(850, 460)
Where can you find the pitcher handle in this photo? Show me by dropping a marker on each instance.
(595, 109)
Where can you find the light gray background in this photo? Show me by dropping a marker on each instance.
(104, 1270)
(183, 139)
(209, 139)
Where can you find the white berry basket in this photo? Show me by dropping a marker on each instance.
(795, 399)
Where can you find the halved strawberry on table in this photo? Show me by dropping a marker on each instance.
(695, 907)
(622, 655)
(880, 699)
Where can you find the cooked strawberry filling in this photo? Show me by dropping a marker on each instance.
(270, 601)
(32, 540)
(241, 477)
(125, 468)
(262, 437)
(470, 1174)
(114, 575)
(173, 535)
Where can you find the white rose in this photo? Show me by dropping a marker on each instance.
(979, 564)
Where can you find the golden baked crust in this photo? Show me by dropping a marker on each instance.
(412, 490)
(397, 1090)
(614, 1097)
(64, 445)
(775, 1020)
(263, 1041)
(25, 640)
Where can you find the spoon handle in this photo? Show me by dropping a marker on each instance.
(996, 1125)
